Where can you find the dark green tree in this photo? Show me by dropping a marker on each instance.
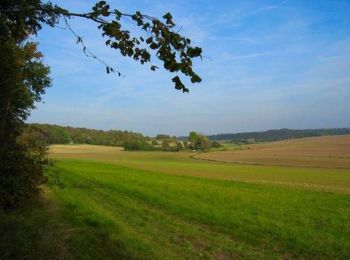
(216, 144)
(162, 136)
(202, 143)
(24, 77)
(199, 141)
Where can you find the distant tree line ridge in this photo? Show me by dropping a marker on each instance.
(276, 135)
(55, 134)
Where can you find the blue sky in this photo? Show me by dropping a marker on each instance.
(269, 64)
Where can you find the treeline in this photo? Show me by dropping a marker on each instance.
(276, 135)
(55, 134)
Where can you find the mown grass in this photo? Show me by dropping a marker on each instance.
(120, 212)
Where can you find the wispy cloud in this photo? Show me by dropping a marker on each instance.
(234, 18)
(251, 55)
(267, 8)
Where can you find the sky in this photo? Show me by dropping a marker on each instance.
(268, 64)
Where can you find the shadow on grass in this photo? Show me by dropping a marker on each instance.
(45, 229)
(34, 232)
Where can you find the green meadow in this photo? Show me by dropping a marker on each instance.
(153, 205)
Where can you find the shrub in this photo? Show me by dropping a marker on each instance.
(22, 169)
(138, 145)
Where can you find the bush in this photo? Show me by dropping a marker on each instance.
(216, 144)
(138, 145)
(22, 169)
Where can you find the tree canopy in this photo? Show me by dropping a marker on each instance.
(199, 141)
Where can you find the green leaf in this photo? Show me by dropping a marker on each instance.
(153, 46)
(153, 67)
(167, 16)
(195, 78)
(194, 52)
(118, 14)
(179, 85)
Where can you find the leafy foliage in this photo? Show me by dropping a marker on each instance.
(23, 79)
(162, 136)
(157, 38)
(138, 145)
(55, 134)
(199, 141)
(22, 169)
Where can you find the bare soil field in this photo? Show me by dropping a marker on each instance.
(324, 152)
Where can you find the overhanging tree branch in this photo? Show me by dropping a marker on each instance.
(162, 41)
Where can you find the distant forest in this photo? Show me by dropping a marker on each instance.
(55, 134)
(276, 135)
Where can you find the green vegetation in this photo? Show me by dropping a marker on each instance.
(123, 212)
(55, 134)
(101, 202)
(319, 179)
(104, 203)
(23, 79)
(200, 142)
(138, 145)
(162, 136)
(35, 231)
(247, 212)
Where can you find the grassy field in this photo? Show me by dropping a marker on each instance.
(104, 203)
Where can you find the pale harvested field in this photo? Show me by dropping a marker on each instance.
(324, 152)
(83, 149)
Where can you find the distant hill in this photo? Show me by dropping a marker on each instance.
(275, 135)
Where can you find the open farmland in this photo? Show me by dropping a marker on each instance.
(323, 152)
(105, 203)
(160, 130)
(175, 163)
(157, 205)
